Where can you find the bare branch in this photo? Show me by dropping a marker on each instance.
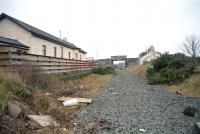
(191, 46)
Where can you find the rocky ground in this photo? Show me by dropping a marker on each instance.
(130, 105)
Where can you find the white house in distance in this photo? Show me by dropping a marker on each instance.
(148, 56)
(16, 34)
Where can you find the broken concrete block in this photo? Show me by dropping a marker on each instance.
(44, 120)
(71, 102)
(84, 100)
(63, 98)
(68, 101)
(14, 110)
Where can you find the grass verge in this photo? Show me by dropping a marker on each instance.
(91, 84)
(39, 93)
(138, 69)
(190, 87)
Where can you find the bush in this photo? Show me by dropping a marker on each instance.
(169, 69)
(103, 70)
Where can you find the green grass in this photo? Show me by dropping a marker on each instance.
(103, 70)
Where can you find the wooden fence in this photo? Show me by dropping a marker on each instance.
(47, 64)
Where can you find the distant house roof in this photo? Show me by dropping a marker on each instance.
(39, 33)
(13, 43)
(144, 53)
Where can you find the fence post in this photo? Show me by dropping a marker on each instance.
(50, 63)
(10, 56)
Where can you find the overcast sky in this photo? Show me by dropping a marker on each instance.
(112, 27)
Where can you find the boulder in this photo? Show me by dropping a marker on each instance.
(14, 110)
(190, 111)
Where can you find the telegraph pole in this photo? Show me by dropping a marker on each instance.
(96, 54)
(60, 34)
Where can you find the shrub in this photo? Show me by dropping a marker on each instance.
(169, 69)
(103, 70)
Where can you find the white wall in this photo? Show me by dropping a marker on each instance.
(149, 57)
(11, 30)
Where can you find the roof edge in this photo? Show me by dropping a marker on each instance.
(18, 22)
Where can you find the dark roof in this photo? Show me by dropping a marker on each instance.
(39, 33)
(13, 43)
(82, 51)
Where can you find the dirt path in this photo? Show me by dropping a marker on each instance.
(129, 104)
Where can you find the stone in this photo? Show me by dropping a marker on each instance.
(81, 87)
(22, 106)
(44, 120)
(190, 111)
(14, 110)
(178, 92)
(198, 126)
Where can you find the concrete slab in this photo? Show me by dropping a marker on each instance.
(44, 120)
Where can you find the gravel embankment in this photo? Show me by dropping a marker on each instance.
(129, 104)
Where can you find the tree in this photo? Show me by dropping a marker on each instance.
(191, 46)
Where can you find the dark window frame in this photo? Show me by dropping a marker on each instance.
(61, 49)
(69, 55)
(55, 52)
(44, 50)
(76, 56)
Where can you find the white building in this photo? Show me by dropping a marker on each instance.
(17, 33)
(148, 56)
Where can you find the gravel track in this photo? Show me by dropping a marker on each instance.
(129, 104)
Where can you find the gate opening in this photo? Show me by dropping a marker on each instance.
(120, 64)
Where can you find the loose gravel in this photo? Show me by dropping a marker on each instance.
(129, 105)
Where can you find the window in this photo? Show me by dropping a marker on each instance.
(61, 48)
(80, 57)
(76, 56)
(69, 54)
(43, 50)
(54, 51)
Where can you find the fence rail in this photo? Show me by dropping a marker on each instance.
(47, 64)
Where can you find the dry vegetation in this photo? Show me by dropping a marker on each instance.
(91, 83)
(138, 69)
(38, 94)
(190, 87)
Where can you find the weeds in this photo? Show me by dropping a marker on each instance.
(190, 87)
(10, 83)
(138, 69)
(103, 70)
(39, 93)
